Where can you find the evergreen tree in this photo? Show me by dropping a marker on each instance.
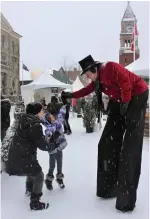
(89, 114)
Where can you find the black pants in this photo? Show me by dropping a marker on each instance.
(34, 184)
(120, 151)
(67, 126)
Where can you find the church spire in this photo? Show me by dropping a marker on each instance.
(128, 14)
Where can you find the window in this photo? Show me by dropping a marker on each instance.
(129, 43)
(3, 41)
(11, 91)
(4, 83)
(54, 90)
(13, 64)
(13, 84)
(17, 49)
(13, 46)
(3, 59)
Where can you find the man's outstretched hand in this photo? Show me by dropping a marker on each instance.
(66, 95)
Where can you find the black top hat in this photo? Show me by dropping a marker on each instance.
(87, 63)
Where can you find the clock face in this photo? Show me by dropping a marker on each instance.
(129, 28)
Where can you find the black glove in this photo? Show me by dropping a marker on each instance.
(66, 95)
(123, 108)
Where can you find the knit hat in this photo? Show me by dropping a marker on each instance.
(34, 108)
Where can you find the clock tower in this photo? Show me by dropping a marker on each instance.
(126, 56)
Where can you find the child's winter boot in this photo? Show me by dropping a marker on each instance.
(48, 181)
(59, 179)
(35, 203)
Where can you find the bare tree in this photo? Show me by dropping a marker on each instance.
(70, 66)
(64, 63)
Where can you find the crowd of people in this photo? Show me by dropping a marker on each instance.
(120, 145)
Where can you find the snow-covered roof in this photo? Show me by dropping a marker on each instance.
(126, 33)
(128, 19)
(45, 80)
(140, 67)
(128, 51)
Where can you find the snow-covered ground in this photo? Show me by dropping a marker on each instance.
(78, 199)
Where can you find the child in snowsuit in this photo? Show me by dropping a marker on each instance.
(57, 142)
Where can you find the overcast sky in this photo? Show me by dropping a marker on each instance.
(57, 31)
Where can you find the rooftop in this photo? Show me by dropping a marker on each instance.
(128, 14)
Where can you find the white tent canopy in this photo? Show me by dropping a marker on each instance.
(43, 84)
(140, 67)
(77, 85)
(45, 80)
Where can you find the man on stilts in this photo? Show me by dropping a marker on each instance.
(120, 146)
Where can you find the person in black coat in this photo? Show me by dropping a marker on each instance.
(22, 156)
(67, 129)
(5, 116)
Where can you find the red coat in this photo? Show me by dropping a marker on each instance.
(116, 82)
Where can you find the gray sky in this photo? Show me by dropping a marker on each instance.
(54, 31)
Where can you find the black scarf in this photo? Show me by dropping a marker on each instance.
(98, 92)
